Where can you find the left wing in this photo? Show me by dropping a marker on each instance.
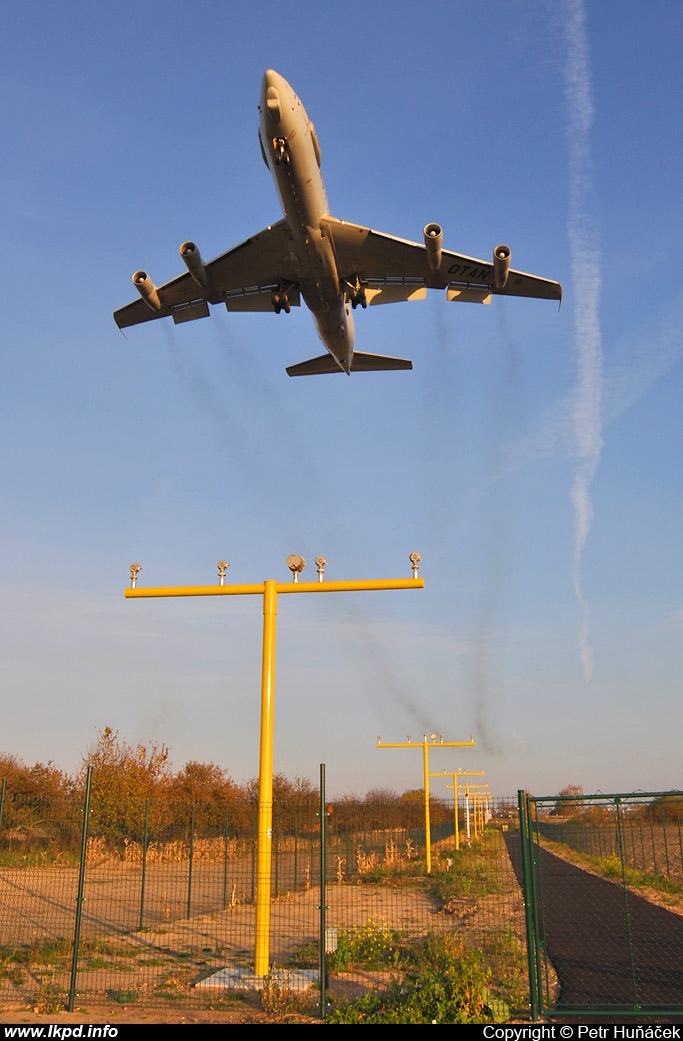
(385, 260)
(243, 278)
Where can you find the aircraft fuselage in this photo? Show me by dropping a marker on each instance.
(291, 152)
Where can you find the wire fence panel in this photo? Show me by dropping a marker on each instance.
(168, 915)
(604, 884)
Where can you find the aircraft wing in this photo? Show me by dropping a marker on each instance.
(383, 259)
(242, 278)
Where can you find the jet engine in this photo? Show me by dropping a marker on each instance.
(433, 237)
(193, 260)
(147, 290)
(501, 266)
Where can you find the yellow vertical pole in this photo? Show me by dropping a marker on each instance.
(428, 830)
(265, 799)
(457, 824)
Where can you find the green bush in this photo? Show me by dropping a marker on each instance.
(453, 989)
(372, 945)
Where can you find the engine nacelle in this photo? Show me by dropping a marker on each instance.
(147, 290)
(194, 263)
(501, 265)
(433, 237)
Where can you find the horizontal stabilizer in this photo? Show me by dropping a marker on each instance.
(359, 363)
(314, 366)
(377, 362)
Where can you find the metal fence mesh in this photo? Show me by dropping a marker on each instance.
(604, 875)
(166, 897)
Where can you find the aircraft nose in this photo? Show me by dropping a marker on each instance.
(270, 95)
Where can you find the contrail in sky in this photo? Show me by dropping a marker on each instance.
(585, 264)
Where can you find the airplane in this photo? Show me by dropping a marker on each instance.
(333, 265)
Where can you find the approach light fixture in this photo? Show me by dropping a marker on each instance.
(135, 570)
(415, 559)
(222, 566)
(320, 563)
(296, 564)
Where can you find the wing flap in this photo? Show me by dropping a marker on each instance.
(393, 294)
(188, 312)
(259, 298)
(469, 296)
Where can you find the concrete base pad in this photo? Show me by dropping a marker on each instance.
(244, 979)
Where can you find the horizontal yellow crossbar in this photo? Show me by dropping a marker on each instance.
(284, 587)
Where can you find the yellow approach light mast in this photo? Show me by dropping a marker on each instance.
(270, 591)
(455, 786)
(425, 746)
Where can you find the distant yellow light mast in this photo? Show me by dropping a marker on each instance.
(269, 590)
(456, 787)
(471, 789)
(481, 802)
(425, 746)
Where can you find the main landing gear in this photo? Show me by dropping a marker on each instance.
(356, 294)
(280, 301)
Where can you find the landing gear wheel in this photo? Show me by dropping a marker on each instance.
(280, 302)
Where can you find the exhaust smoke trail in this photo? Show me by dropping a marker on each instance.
(585, 266)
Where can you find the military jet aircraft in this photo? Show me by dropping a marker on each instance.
(334, 265)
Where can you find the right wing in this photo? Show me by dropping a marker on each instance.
(243, 278)
(386, 261)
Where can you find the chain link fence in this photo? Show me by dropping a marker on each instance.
(150, 904)
(603, 876)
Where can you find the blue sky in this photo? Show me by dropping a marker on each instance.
(532, 456)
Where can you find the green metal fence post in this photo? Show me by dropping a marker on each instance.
(81, 886)
(144, 865)
(536, 876)
(323, 896)
(529, 909)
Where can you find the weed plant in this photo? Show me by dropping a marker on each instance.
(373, 945)
(438, 983)
(472, 871)
(611, 867)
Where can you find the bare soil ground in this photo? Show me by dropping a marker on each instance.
(176, 952)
